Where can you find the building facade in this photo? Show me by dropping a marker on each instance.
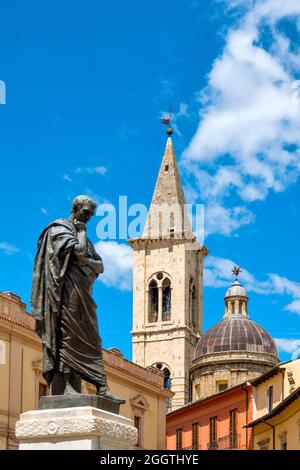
(22, 383)
(276, 408)
(213, 423)
(167, 284)
(233, 351)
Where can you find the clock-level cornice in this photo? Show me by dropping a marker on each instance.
(138, 244)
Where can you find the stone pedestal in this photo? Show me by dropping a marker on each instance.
(84, 427)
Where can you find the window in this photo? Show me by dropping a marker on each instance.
(232, 308)
(190, 390)
(195, 436)
(270, 398)
(264, 445)
(283, 440)
(153, 302)
(178, 439)
(166, 299)
(42, 390)
(222, 385)
(213, 444)
(232, 430)
(137, 425)
(193, 305)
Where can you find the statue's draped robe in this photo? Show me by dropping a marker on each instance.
(63, 307)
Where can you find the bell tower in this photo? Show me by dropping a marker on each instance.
(167, 284)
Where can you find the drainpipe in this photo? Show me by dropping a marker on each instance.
(247, 411)
(9, 387)
(273, 433)
(282, 384)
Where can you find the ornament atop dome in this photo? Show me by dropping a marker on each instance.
(236, 299)
(236, 270)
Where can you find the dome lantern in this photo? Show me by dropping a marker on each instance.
(236, 301)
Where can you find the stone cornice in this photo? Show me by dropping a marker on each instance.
(144, 243)
(213, 360)
(11, 329)
(137, 381)
(167, 329)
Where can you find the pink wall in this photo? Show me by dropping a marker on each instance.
(219, 405)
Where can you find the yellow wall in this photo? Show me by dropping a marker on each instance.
(29, 385)
(151, 431)
(261, 401)
(281, 387)
(4, 375)
(288, 421)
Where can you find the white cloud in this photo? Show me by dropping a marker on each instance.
(289, 345)
(225, 220)
(248, 114)
(217, 273)
(99, 170)
(117, 260)
(293, 307)
(67, 178)
(8, 249)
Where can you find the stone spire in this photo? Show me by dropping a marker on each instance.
(166, 214)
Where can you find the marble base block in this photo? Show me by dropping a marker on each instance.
(85, 428)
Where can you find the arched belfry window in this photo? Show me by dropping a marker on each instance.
(192, 299)
(166, 299)
(153, 302)
(167, 378)
(167, 381)
(159, 297)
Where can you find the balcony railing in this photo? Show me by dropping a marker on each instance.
(212, 445)
(230, 442)
(194, 447)
(166, 316)
(153, 317)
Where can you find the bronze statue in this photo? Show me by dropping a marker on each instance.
(65, 268)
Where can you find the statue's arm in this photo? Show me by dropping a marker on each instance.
(80, 247)
(95, 265)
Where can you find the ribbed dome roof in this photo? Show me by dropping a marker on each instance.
(236, 334)
(236, 290)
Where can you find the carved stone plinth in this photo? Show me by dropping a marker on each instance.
(75, 428)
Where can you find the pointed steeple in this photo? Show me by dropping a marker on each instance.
(167, 214)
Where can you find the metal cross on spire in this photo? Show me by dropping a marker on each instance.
(236, 270)
(167, 122)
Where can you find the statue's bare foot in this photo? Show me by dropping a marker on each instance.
(69, 390)
(103, 391)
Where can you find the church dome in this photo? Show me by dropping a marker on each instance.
(233, 351)
(238, 333)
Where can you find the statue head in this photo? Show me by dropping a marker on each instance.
(83, 208)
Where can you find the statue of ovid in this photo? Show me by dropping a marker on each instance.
(65, 268)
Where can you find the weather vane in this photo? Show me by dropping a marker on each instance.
(167, 122)
(236, 270)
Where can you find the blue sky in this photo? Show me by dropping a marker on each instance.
(86, 85)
